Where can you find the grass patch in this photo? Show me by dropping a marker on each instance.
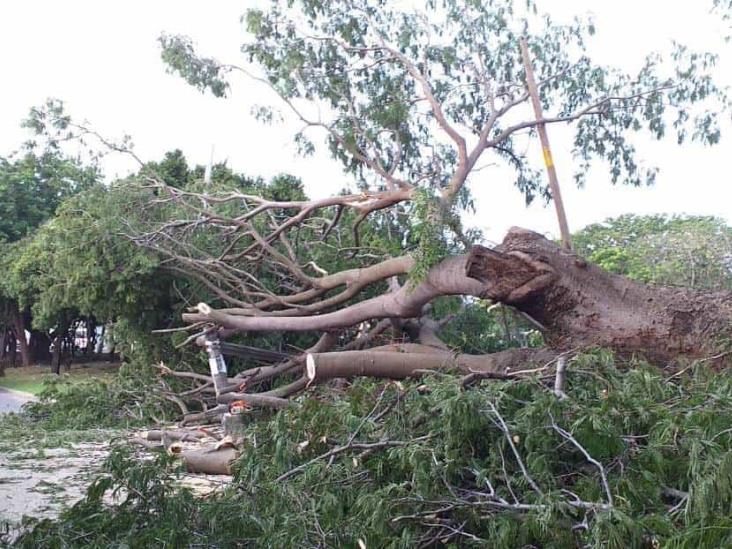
(96, 397)
(31, 379)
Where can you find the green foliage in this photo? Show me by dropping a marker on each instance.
(345, 56)
(126, 400)
(481, 328)
(151, 509)
(652, 437)
(671, 250)
(81, 260)
(131, 397)
(32, 188)
(428, 232)
(203, 73)
(78, 254)
(724, 9)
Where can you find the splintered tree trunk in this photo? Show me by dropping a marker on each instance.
(581, 305)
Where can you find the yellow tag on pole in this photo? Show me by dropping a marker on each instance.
(548, 158)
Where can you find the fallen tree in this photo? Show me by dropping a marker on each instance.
(578, 305)
(629, 458)
(413, 104)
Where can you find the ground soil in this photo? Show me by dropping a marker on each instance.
(41, 482)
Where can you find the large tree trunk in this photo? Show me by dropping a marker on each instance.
(581, 305)
(91, 336)
(112, 344)
(39, 347)
(12, 345)
(56, 355)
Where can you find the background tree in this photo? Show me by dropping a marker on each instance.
(689, 251)
(33, 186)
(31, 189)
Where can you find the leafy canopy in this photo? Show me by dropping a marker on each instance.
(691, 251)
(404, 95)
(33, 186)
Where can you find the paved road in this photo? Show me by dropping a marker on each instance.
(11, 401)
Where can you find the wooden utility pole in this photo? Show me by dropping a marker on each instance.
(541, 128)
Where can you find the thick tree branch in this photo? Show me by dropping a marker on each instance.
(446, 278)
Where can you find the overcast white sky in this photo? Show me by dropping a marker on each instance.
(102, 59)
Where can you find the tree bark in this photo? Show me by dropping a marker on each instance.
(174, 435)
(99, 346)
(91, 336)
(447, 278)
(56, 355)
(58, 342)
(12, 346)
(580, 305)
(254, 399)
(410, 360)
(39, 347)
(3, 343)
(19, 321)
(209, 461)
(577, 306)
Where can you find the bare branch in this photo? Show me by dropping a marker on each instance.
(568, 436)
(509, 438)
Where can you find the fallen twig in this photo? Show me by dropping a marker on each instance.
(350, 446)
(568, 436)
(501, 424)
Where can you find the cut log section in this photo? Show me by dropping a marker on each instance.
(174, 435)
(210, 461)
